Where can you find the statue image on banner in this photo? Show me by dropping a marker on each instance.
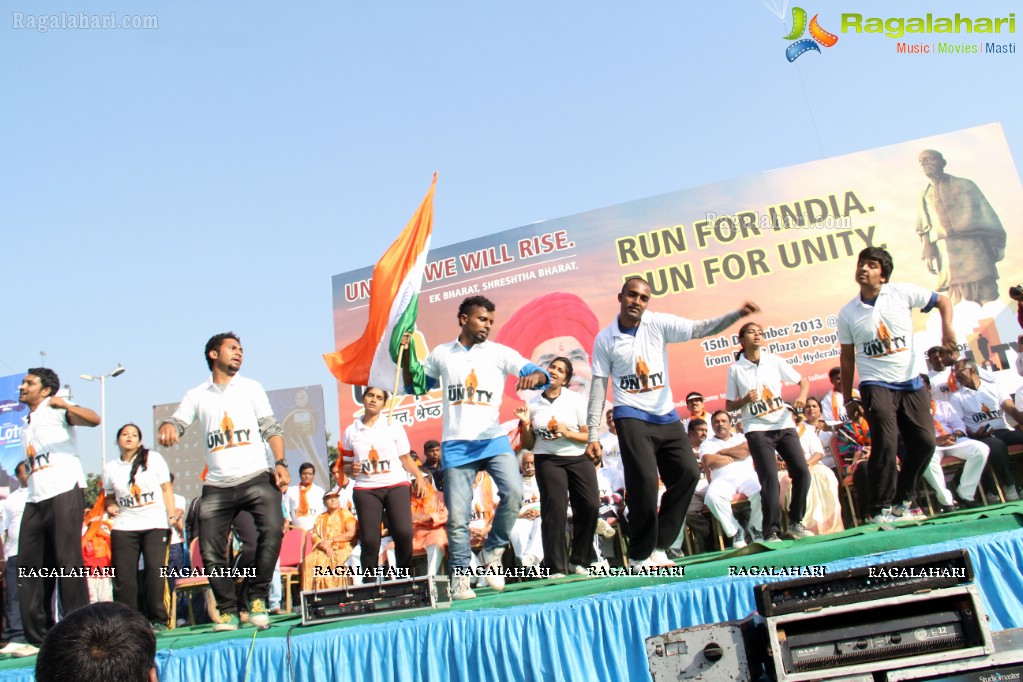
(961, 234)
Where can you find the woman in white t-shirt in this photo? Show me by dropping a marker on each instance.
(554, 428)
(381, 466)
(140, 498)
(755, 383)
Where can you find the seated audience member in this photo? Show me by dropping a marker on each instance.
(304, 499)
(823, 509)
(726, 457)
(526, 539)
(611, 452)
(832, 404)
(432, 463)
(951, 441)
(853, 440)
(694, 403)
(981, 410)
(346, 499)
(429, 516)
(102, 642)
(815, 420)
(481, 516)
(334, 533)
(96, 551)
(696, 520)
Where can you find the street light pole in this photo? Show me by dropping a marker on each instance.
(102, 379)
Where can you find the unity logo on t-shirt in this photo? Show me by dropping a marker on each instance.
(766, 402)
(470, 392)
(986, 414)
(36, 462)
(477, 512)
(372, 465)
(884, 343)
(227, 436)
(551, 432)
(137, 498)
(643, 381)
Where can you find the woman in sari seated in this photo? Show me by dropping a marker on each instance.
(334, 534)
(429, 515)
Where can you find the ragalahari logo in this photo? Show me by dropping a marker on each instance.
(817, 35)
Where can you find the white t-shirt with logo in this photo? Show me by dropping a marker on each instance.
(375, 453)
(473, 383)
(141, 507)
(568, 408)
(313, 497)
(229, 416)
(978, 408)
(769, 413)
(638, 365)
(832, 401)
(882, 334)
(51, 448)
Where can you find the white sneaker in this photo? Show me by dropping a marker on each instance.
(605, 529)
(460, 588)
(576, 569)
(556, 575)
(660, 558)
(491, 560)
(1011, 494)
(25, 650)
(739, 539)
(642, 564)
(529, 560)
(11, 648)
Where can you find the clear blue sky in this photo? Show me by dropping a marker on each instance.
(158, 186)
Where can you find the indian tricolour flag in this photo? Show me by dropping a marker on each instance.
(393, 306)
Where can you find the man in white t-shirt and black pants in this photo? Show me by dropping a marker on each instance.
(235, 414)
(632, 352)
(53, 513)
(875, 331)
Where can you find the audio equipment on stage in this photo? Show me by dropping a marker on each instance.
(928, 628)
(707, 652)
(324, 606)
(1005, 664)
(935, 571)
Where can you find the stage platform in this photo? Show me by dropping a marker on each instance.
(576, 628)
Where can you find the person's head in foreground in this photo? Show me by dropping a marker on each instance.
(102, 642)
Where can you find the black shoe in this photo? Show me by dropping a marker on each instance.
(964, 503)
(947, 508)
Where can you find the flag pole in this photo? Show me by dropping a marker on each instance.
(397, 378)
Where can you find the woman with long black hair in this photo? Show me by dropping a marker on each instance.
(554, 428)
(381, 466)
(140, 498)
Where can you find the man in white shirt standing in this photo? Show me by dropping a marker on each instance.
(632, 351)
(875, 331)
(14, 508)
(235, 414)
(305, 500)
(53, 512)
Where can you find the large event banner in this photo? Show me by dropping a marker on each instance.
(301, 414)
(12, 418)
(786, 239)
